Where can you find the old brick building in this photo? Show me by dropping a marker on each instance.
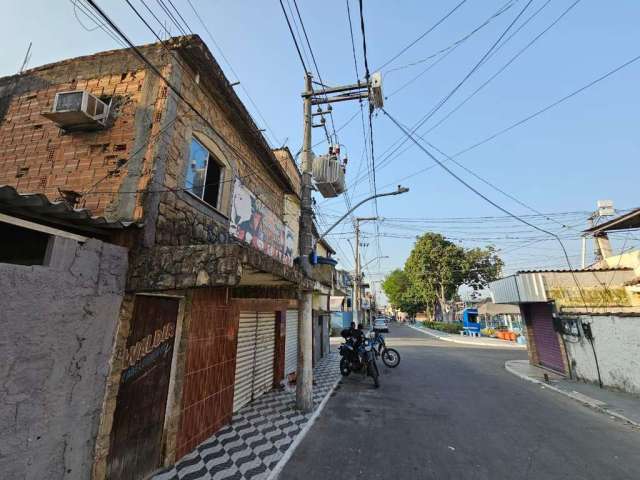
(212, 239)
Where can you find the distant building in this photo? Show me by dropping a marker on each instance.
(583, 323)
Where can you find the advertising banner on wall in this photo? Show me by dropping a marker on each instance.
(254, 223)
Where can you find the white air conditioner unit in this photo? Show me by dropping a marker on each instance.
(78, 110)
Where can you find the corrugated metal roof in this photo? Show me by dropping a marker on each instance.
(38, 206)
(628, 221)
(566, 270)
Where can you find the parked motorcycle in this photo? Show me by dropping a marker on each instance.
(390, 356)
(359, 357)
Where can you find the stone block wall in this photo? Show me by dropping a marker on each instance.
(183, 218)
(59, 326)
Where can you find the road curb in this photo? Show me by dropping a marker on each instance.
(479, 344)
(582, 398)
(275, 473)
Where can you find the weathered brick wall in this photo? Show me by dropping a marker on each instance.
(37, 156)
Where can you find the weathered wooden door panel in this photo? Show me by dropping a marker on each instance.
(136, 436)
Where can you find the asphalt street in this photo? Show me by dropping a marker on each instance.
(453, 412)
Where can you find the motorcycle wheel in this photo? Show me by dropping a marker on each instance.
(345, 370)
(391, 357)
(373, 372)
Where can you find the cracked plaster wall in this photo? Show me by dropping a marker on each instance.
(58, 326)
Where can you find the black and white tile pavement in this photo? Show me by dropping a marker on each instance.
(258, 436)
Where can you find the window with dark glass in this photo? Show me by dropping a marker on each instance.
(204, 174)
(21, 246)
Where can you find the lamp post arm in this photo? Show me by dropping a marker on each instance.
(399, 191)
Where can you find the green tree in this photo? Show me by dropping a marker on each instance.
(436, 268)
(395, 284)
(401, 293)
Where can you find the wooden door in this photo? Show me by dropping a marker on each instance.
(136, 437)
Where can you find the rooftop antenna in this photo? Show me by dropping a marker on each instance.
(27, 57)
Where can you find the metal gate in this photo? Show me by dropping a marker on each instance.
(291, 343)
(255, 356)
(136, 436)
(545, 337)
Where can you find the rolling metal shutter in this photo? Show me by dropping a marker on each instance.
(245, 359)
(255, 356)
(291, 343)
(265, 353)
(545, 337)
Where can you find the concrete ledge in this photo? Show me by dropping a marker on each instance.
(520, 369)
(468, 340)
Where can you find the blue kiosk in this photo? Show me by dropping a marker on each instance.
(470, 322)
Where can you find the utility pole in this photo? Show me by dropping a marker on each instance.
(371, 90)
(358, 278)
(304, 381)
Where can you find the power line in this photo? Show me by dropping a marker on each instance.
(457, 43)
(77, 4)
(367, 78)
(170, 15)
(506, 65)
(421, 36)
(162, 25)
(439, 105)
(224, 57)
(293, 36)
(169, 85)
(488, 200)
(549, 107)
(315, 63)
(445, 52)
(175, 9)
(525, 119)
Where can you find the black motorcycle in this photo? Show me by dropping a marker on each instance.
(390, 356)
(358, 356)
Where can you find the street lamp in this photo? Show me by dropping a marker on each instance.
(373, 260)
(399, 191)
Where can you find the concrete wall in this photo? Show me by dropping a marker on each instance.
(617, 346)
(58, 326)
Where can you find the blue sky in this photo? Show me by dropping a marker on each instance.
(563, 161)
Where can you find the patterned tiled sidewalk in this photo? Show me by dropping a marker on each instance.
(258, 436)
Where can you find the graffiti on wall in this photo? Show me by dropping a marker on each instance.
(254, 223)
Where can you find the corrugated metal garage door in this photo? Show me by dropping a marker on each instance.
(545, 337)
(265, 353)
(255, 354)
(291, 343)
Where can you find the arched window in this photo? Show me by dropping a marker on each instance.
(208, 174)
